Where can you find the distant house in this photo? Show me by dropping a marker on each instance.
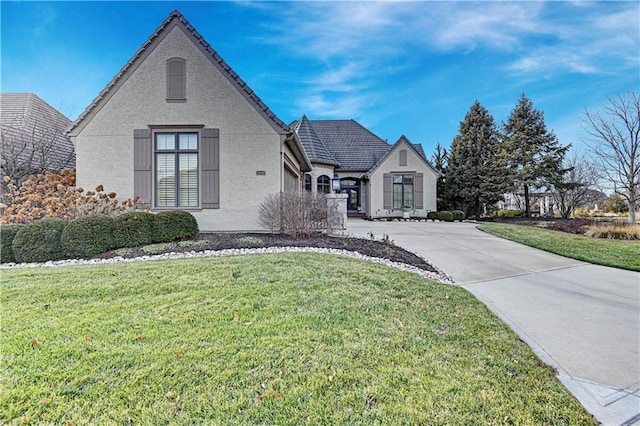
(381, 180)
(33, 137)
(180, 129)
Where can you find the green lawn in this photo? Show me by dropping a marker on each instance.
(599, 251)
(263, 339)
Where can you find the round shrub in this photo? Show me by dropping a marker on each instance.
(88, 236)
(7, 234)
(39, 241)
(445, 216)
(458, 215)
(432, 215)
(174, 225)
(133, 229)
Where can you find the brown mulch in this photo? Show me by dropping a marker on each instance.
(372, 248)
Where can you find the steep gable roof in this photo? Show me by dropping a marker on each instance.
(33, 131)
(417, 148)
(313, 146)
(352, 145)
(174, 19)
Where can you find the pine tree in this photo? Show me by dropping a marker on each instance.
(534, 154)
(440, 159)
(475, 175)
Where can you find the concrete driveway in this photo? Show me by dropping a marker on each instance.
(582, 319)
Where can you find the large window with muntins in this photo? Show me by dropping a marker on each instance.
(176, 155)
(402, 191)
(324, 184)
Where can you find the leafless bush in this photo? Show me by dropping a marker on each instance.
(300, 213)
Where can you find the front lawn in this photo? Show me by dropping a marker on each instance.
(262, 339)
(599, 251)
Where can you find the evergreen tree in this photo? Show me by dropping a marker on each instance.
(475, 175)
(533, 153)
(440, 159)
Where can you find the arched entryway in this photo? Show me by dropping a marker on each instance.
(351, 187)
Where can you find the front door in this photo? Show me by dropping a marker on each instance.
(353, 197)
(352, 188)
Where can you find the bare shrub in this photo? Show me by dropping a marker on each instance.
(614, 231)
(52, 195)
(299, 213)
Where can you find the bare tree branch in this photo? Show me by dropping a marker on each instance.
(613, 136)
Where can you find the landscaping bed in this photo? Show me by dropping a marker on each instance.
(223, 241)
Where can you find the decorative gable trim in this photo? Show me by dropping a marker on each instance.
(174, 19)
(176, 75)
(403, 140)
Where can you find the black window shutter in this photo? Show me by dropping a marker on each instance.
(387, 188)
(142, 174)
(210, 168)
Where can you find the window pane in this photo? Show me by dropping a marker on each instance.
(188, 141)
(307, 182)
(408, 195)
(324, 184)
(165, 172)
(165, 141)
(397, 178)
(397, 195)
(188, 164)
(408, 179)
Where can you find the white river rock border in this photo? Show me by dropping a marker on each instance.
(435, 276)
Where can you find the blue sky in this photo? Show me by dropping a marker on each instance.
(411, 68)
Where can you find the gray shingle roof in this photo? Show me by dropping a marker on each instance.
(352, 145)
(420, 150)
(32, 130)
(313, 146)
(206, 47)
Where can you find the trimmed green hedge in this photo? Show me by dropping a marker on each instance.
(88, 236)
(432, 215)
(458, 215)
(39, 241)
(445, 216)
(175, 225)
(133, 229)
(7, 234)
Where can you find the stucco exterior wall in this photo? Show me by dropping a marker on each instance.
(391, 164)
(319, 170)
(248, 143)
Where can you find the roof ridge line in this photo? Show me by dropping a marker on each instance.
(176, 14)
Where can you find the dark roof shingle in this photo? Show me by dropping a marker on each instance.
(352, 145)
(32, 130)
(313, 146)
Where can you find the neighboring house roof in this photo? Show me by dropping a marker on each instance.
(313, 146)
(33, 131)
(176, 18)
(353, 146)
(415, 146)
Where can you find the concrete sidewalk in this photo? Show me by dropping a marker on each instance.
(582, 319)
